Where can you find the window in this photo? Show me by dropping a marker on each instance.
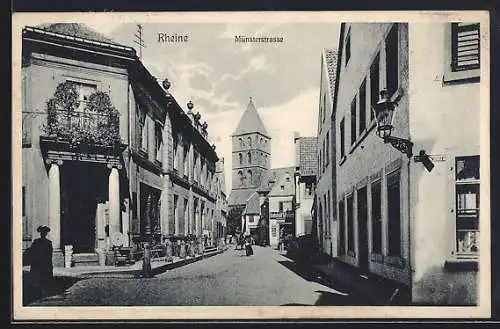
(374, 83)
(392, 60)
(350, 223)
(240, 157)
(467, 204)
(362, 107)
(273, 231)
(323, 108)
(280, 206)
(250, 218)
(176, 214)
(158, 142)
(84, 91)
(176, 155)
(342, 138)
(282, 187)
(287, 178)
(348, 47)
(394, 215)
(353, 121)
(186, 159)
(341, 228)
(249, 176)
(249, 139)
(241, 142)
(241, 178)
(24, 201)
(186, 216)
(27, 117)
(309, 189)
(376, 218)
(249, 157)
(327, 149)
(464, 46)
(327, 216)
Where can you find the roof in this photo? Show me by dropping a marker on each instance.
(282, 187)
(250, 122)
(239, 197)
(76, 30)
(307, 148)
(253, 205)
(271, 177)
(330, 56)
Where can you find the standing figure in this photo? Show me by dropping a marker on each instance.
(40, 260)
(248, 246)
(146, 262)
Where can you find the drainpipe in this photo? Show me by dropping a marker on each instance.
(410, 221)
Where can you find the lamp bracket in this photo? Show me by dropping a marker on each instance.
(403, 145)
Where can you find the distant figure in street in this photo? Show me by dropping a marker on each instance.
(40, 259)
(146, 262)
(248, 246)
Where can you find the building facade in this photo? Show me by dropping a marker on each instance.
(398, 220)
(306, 165)
(251, 159)
(282, 208)
(109, 157)
(325, 190)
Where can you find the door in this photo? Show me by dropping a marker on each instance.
(363, 230)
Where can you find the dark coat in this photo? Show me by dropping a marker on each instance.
(40, 258)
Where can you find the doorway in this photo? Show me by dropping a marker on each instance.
(83, 186)
(363, 230)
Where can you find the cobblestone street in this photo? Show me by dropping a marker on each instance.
(264, 279)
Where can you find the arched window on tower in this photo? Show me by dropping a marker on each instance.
(249, 177)
(241, 178)
(240, 141)
(240, 156)
(249, 141)
(249, 157)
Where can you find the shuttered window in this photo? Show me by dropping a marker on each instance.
(464, 46)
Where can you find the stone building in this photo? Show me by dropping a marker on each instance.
(251, 158)
(109, 156)
(305, 182)
(325, 189)
(402, 216)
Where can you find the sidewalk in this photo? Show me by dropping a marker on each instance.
(371, 288)
(126, 271)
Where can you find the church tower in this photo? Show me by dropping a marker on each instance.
(251, 155)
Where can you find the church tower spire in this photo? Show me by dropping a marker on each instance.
(251, 155)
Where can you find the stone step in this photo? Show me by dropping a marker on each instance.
(85, 259)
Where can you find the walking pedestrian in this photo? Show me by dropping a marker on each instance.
(146, 262)
(39, 256)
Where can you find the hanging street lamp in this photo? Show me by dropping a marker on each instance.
(384, 116)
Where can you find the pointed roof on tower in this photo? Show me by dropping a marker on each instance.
(250, 122)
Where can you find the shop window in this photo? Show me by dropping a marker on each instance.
(374, 83)
(350, 223)
(467, 204)
(362, 107)
(394, 213)
(376, 211)
(392, 60)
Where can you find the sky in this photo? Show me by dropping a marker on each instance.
(219, 75)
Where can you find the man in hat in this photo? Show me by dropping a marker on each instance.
(40, 259)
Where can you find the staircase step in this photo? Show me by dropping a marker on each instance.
(86, 259)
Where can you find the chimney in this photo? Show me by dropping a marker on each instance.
(296, 135)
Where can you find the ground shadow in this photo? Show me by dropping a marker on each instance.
(32, 292)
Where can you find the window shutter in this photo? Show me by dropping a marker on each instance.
(465, 46)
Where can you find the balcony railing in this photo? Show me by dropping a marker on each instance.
(83, 127)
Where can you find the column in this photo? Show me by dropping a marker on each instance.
(114, 200)
(55, 204)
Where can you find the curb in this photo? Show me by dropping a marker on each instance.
(135, 273)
